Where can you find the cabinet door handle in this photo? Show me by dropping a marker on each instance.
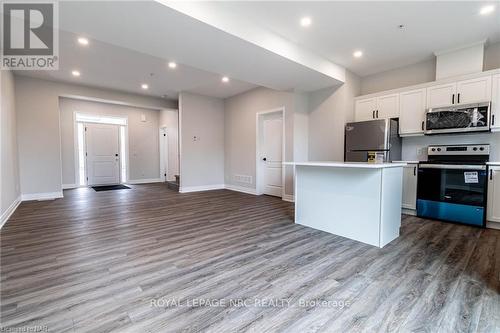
(458, 98)
(453, 99)
(414, 170)
(373, 114)
(492, 120)
(422, 125)
(377, 114)
(491, 174)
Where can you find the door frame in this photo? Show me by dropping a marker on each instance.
(258, 163)
(164, 152)
(75, 146)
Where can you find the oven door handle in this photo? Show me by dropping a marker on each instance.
(452, 166)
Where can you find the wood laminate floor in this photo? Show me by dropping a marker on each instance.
(145, 260)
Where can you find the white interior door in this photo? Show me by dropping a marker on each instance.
(103, 159)
(272, 145)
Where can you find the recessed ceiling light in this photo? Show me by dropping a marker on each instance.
(172, 64)
(144, 86)
(225, 79)
(83, 41)
(357, 54)
(487, 10)
(305, 21)
(75, 73)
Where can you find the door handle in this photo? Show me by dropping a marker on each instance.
(415, 171)
(422, 125)
(264, 159)
(116, 155)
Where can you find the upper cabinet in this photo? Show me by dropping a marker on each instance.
(474, 90)
(441, 95)
(365, 109)
(495, 103)
(381, 107)
(460, 92)
(412, 112)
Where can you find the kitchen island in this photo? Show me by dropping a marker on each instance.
(360, 201)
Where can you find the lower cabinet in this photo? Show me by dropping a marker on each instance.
(493, 213)
(410, 174)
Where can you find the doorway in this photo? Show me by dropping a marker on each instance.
(100, 150)
(270, 152)
(164, 167)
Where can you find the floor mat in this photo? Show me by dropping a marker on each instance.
(110, 188)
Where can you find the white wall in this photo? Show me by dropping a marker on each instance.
(421, 72)
(169, 119)
(330, 109)
(240, 133)
(39, 135)
(9, 168)
(143, 137)
(201, 159)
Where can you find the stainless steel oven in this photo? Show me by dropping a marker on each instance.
(458, 119)
(452, 184)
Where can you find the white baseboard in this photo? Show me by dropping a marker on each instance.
(8, 213)
(69, 186)
(144, 181)
(247, 190)
(41, 196)
(493, 225)
(289, 198)
(187, 189)
(407, 211)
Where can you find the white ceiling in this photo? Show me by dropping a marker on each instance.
(340, 27)
(109, 66)
(254, 43)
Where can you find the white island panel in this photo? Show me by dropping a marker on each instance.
(360, 203)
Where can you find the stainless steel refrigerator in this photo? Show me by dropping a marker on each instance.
(366, 138)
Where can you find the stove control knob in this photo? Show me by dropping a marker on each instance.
(433, 149)
(475, 148)
(481, 149)
(439, 149)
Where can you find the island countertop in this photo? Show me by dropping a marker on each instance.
(361, 165)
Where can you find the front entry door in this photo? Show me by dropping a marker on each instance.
(272, 151)
(103, 159)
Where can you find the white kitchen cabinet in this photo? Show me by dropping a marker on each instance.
(441, 95)
(412, 112)
(381, 107)
(493, 213)
(474, 90)
(495, 103)
(387, 106)
(365, 109)
(410, 176)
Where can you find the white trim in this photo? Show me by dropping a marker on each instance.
(8, 213)
(493, 225)
(42, 196)
(407, 211)
(289, 198)
(144, 181)
(163, 146)
(242, 189)
(187, 189)
(258, 185)
(69, 186)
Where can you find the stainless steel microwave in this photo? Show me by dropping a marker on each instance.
(458, 119)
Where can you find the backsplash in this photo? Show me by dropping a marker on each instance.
(414, 148)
